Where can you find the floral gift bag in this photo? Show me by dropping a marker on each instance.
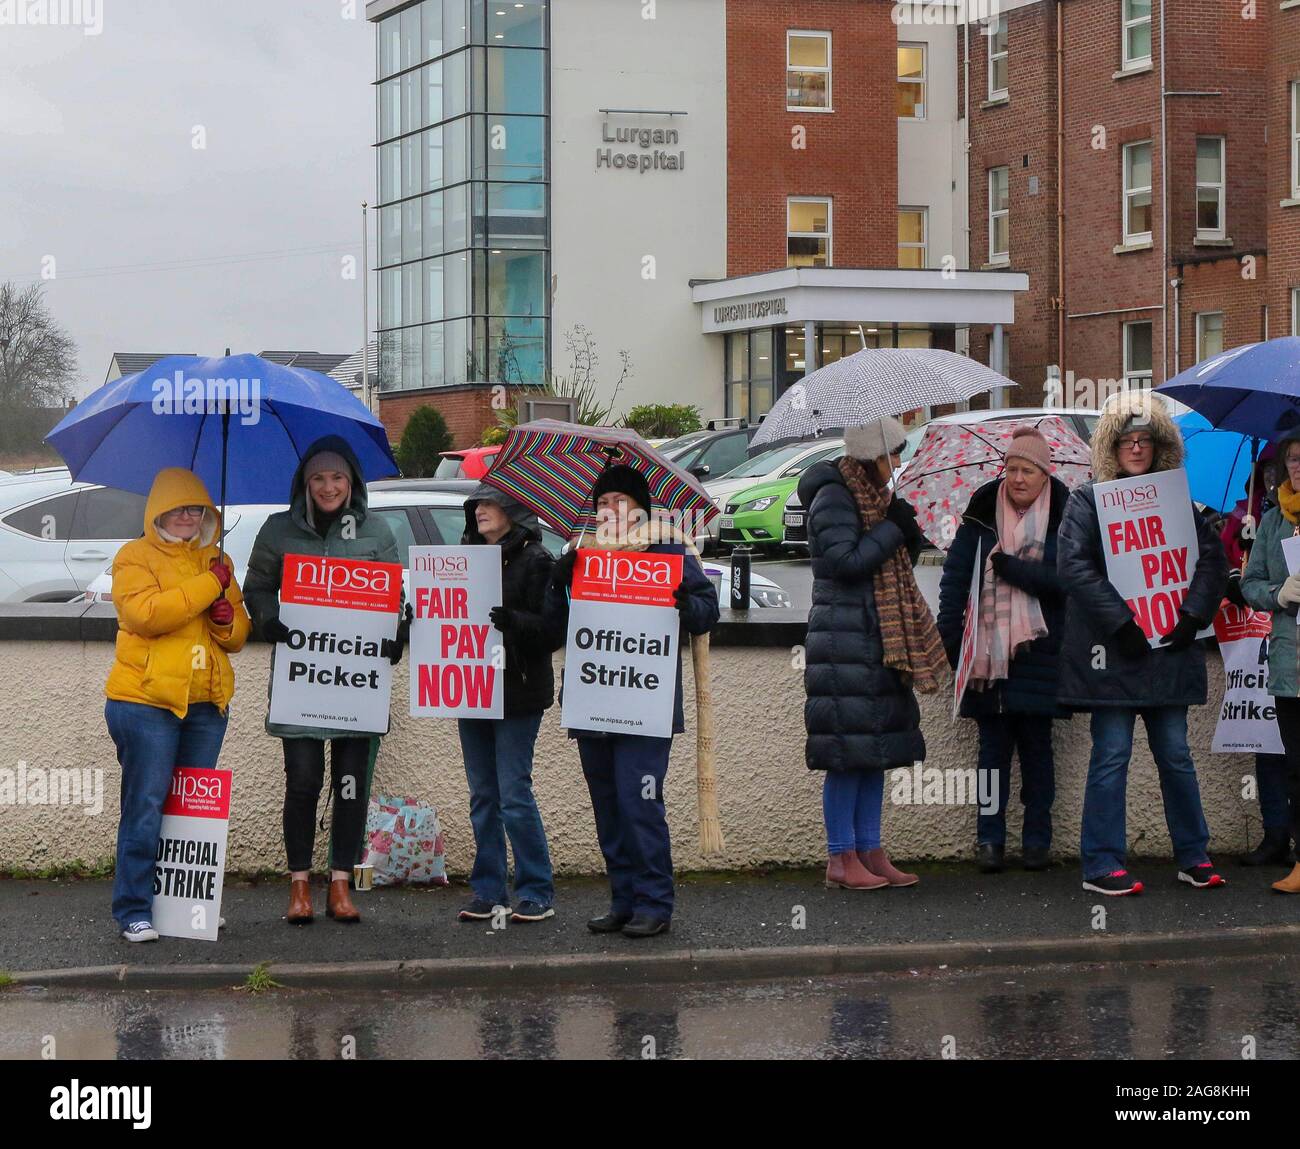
(404, 843)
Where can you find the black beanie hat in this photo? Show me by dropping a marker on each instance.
(626, 480)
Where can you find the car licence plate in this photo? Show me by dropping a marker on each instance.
(792, 519)
(726, 522)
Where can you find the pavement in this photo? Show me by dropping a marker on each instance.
(754, 925)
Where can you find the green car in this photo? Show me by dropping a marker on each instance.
(752, 517)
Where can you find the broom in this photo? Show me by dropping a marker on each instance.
(706, 781)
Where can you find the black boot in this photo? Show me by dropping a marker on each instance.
(1274, 850)
(1036, 858)
(609, 923)
(989, 857)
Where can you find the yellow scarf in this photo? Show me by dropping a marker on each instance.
(1289, 501)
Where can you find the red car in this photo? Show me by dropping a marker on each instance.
(471, 463)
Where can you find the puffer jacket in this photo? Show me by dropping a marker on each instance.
(526, 565)
(1265, 574)
(354, 534)
(859, 713)
(1093, 671)
(162, 591)
(1030, 687)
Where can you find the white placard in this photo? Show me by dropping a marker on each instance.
(457, 655)
(190, 864)
(1248, 715)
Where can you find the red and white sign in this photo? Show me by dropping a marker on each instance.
(966, 656)
(620, 664)
(330, 672)
(190, 864)
(1148, 535)
(1248, 716)
(457, 655)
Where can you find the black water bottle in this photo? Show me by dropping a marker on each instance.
(740, 559)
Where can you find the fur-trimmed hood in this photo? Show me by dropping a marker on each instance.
(1147, 411)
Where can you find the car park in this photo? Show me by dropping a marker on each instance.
(755, 515)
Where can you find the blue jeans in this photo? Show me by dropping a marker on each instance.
(499, 765)
(625, 776)
(1031, 736)
(150, 743)
(851, 801)
(1104, 843)
(1274, 800)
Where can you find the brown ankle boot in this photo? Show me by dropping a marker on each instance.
(338, 904)
(1291, 883)
(300, 911)
(846, 872)
(878, 863)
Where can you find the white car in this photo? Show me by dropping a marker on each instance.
(783, 462)
(56, 535)
(420, 512)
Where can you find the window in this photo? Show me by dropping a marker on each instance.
(400, 525)
(107, 513)
(808, 71)
(999, 215)
(49, 518)
(1137, 32)
(1209, 334)
(912, 237)
(808, 233)
(1210, 187)
(911, 81)
(997, 38)
(1137, 193)
(1295, 140)
(1137, 354)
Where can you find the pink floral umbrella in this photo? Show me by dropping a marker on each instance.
(954, 460)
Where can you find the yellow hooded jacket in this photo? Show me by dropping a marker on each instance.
(170, 654)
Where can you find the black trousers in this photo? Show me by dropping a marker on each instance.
(1288, 724)
(304, 775)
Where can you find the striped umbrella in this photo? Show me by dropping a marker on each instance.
(551, 467)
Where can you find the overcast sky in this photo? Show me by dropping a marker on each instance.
(99, 171)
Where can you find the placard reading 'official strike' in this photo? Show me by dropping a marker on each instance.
(457, 655)
(330, 672)
(1148, 536)
(1248, 715)
(620, 665)
(191, 858)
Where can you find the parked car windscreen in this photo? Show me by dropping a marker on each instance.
(766, 463)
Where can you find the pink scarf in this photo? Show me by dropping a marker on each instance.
(1010, 618)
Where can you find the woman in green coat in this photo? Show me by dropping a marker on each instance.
(1269, 585)
(327, 515)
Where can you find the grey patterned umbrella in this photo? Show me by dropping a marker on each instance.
(871, 384)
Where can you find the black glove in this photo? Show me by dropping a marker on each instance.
(393, 648)
(562, 572)
(502, 618)
(1233, 593)
(273, 630)
(682, 596)
(901, 514)
(1001, 562)
(1131, 641)
(1183, 634)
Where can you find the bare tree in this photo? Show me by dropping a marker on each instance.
(38, 359)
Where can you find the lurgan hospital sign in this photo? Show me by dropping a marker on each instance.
(648, 157)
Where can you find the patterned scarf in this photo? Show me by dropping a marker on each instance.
(911, 640)
(1009, 618)
(1289, 501)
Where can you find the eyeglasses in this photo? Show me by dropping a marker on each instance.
(193, 511)
(1140, 443)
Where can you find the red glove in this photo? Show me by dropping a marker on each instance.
(222, 612)
(222, 571)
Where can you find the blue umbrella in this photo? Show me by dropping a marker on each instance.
(1254, 389)
(240, 423)
(1218, 462)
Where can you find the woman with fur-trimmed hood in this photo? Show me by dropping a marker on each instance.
(1108, 667)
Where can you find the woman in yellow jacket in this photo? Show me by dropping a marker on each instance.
(179, 612)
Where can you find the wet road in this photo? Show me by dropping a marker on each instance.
(1174, 1010)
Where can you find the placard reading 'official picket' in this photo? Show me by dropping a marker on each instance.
(1148, 536)
(191, 857)
(620, 664)
(457, 655)
(330, 672)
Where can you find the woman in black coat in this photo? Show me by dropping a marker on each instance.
(1013, 713)
(870, 639)
(499, 751)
